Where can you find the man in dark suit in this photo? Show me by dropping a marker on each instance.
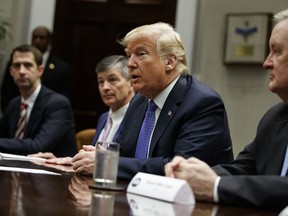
(48, 124)
(57, 73)
(258, 176)
(116, 92)
(190, 118)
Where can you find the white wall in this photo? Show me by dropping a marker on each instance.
(185, 25)
(42, 13)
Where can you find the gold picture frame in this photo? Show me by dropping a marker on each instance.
(246, 38)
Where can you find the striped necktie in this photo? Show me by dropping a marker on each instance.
(146, 131)
(22, 122)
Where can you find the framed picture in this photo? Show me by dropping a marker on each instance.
(246, 38)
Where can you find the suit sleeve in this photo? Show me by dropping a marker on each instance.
(253, 179)
(128, 167)
(261, 191)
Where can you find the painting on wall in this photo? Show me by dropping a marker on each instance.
(246, 38)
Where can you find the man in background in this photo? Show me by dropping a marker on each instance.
(258, 177)
(39, 119)
(57, 73)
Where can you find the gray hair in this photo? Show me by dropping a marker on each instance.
(119, 61)
(168, 42)
(280, 16)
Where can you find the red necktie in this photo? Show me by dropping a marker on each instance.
(22, 121)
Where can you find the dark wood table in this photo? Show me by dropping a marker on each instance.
(70, 194)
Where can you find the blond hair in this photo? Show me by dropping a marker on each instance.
(167, 41)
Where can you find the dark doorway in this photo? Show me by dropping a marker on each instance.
(85, 31)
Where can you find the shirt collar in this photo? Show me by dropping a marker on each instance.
(161, 98)
(118, 114)
(31, 99)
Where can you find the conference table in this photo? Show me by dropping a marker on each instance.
(33, 188)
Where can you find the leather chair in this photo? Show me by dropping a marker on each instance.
(85, 137)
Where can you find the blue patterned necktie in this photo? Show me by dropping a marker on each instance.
(145, 132)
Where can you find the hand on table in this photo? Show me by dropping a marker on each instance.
(61, 161)
(52, 159)
(63, 168)
(84, 161)
(198, 174)
(45, 155)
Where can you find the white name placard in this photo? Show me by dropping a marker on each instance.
(162, 188)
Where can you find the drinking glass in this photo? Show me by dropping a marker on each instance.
(106, 164)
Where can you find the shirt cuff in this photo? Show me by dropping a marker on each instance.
(215, 191)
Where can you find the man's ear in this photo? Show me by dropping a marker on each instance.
(40, 70)
(170, 62)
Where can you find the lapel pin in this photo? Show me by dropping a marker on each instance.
(51, 66)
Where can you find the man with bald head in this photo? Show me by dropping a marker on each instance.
(57, 73)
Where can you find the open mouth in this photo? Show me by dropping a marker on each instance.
(134, 77)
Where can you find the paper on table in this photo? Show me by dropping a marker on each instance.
(26, 170)
(5, 156)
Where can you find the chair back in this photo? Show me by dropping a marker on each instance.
(85, 137)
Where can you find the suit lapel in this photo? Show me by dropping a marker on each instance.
(15, 114)
(136, 124)
(278, 148)
(118, 131)
(169, 110)
(35, 113)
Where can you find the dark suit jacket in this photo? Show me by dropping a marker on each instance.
(101, 124)
(192, 122)
(258, 166)
(57, 76)
(50, 128)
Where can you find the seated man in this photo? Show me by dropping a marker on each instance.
(116, 92)
(40, 119)
(188, 118)
(258, 176)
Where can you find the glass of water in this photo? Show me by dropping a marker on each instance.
(106, 165)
